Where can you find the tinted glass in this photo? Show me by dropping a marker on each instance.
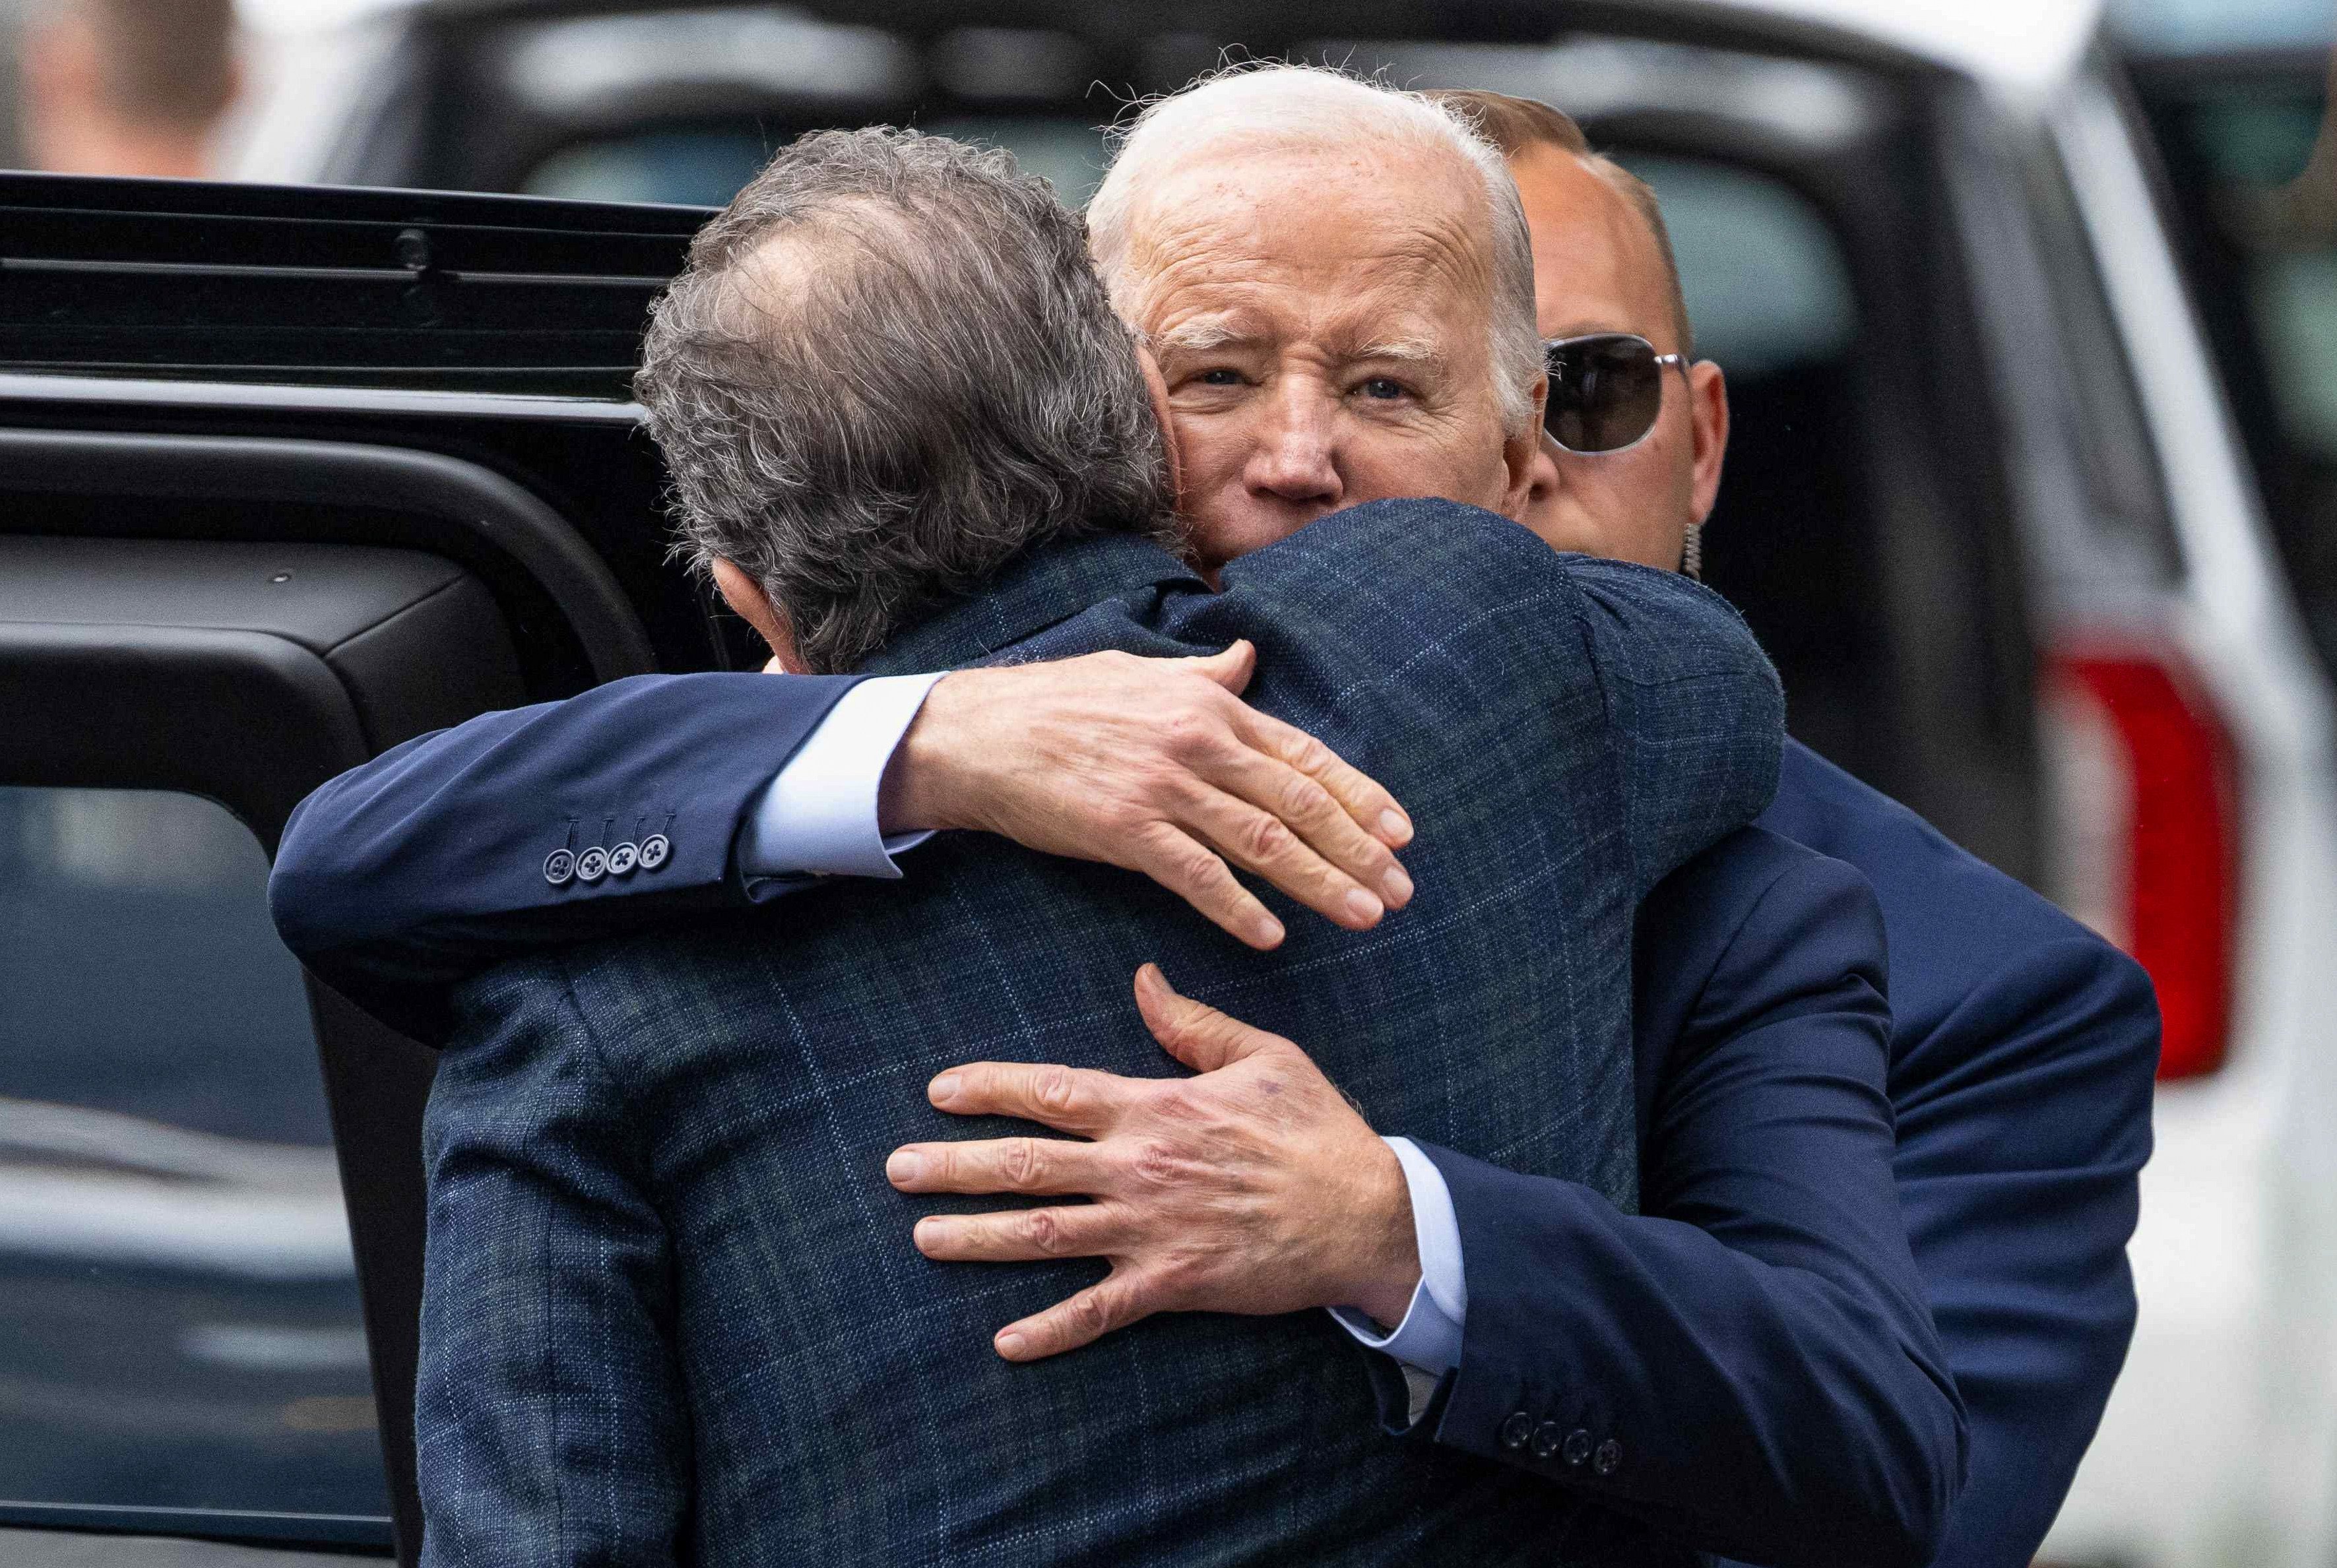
(2251, 156)
(179, 1319)
(705, 164)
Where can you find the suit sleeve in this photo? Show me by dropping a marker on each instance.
(399, 879)
(1749, 1363)
(2017, 1174)
(1695, 707)
(550, 1424)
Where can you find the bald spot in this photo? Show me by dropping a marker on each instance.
(1596, 266)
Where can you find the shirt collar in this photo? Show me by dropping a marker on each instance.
(1035, 590)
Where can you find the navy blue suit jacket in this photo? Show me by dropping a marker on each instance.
(2023, 1052)
(658, 1225)
(409, 875)
(2021, 1060)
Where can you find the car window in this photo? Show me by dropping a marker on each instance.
(1764, 281)
(2250, 152)
(179, 1325)
(705, 163)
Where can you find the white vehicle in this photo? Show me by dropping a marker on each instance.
(1986, 504)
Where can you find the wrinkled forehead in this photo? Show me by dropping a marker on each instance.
(1395, 236)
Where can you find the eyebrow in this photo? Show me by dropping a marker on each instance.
(1203, 333)
(1200, 334)
(1402, 350)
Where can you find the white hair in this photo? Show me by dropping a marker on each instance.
(1311, 108)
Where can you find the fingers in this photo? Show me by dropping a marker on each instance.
(1269, 818)
(1068, 1099)
(1112, 1304)
(1232, 666)
(1368, 805)
(1195, 1033)
(1193, 873)
(1022, 1235)
(1051, 1166)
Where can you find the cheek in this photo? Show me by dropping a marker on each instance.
(1450, 462)
(1207, 445)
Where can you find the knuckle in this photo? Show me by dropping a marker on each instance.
(1266, 839)
(1186, 730)
(1302, 798)
(1090, 1312)
(1022, 1161)
(1200, 869)
(1053, 1089)
(1157, 1163)
(1045, 1233)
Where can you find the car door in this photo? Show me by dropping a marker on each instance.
(287, 477)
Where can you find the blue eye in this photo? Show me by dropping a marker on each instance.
(1382, 388)
(1220, 377)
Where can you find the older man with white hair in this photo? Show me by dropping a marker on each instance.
(1337, 284)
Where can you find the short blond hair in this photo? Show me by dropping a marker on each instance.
(1513, 124)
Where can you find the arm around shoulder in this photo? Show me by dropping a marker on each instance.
(459, 848)
(1749, 1364)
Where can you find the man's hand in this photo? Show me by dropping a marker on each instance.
(1156, 765)
(1253, 1188)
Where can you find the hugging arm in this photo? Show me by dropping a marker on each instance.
(1749, 1362)
(549, 1421)
(401, 878)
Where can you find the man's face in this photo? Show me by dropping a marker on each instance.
(1322, 325)
(1596, 269)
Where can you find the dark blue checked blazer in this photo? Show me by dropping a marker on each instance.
(671, 1308)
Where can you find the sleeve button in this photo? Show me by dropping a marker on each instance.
(622, 858)
(1578, 1448)
(654, 851)
(592, 864)
(558, 866)
(1545, 1440)
(1611, 1454)
(1516, 1430)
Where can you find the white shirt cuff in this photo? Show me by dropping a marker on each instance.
(819, 816)
(1429, 1337)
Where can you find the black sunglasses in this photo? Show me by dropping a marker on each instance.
(1605, 390)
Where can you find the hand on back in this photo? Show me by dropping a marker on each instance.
(1156, 765)
(1254, 1187)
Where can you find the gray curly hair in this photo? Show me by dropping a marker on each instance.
(888, 369)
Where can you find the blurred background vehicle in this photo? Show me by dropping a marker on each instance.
(2030, 319)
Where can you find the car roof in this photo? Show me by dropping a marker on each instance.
(2007, 43)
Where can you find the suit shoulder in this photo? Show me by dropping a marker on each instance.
(1757, 898)
(1945, 904)
(1983, 968)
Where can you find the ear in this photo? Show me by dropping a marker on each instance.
(743, 594)
(1156, 387)
(1522, 459)
(1708, 419)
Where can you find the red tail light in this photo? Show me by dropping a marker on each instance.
(2149, 836)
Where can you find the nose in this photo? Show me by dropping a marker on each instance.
(1295, 459)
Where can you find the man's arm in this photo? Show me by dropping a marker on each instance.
(458, 850)
(551, 1425)
(1748, 1364)
(2022, 1075)
(2017, 1174)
